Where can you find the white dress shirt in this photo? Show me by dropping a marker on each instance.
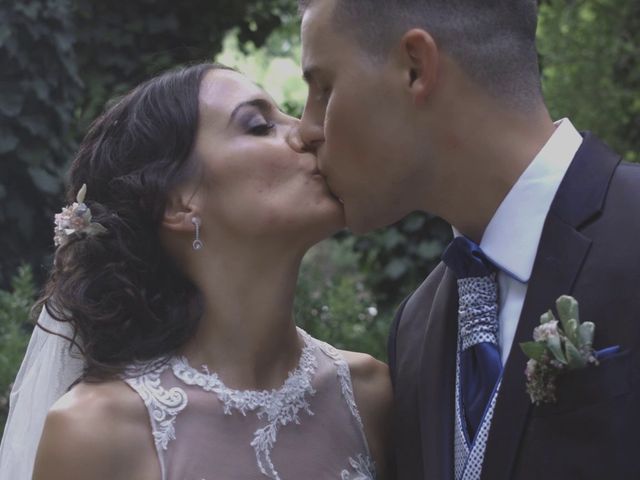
(512, 237)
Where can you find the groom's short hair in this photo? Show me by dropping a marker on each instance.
(492, 40)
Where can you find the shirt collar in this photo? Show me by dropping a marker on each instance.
(512, 237)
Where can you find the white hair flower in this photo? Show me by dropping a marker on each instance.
(75, 218)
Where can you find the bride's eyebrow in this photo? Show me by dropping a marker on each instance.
(260, 103)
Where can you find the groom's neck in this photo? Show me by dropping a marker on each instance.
(495, 147)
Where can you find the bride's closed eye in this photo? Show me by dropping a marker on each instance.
(255, 123)
(253, 116)
(262, 128)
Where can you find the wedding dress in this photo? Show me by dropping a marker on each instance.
(309, 428)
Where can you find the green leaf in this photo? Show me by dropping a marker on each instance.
(8, 141)
(567, 309)
(547, 317)
(11, 101)
(34, 155)
(30, 10)
(396, 268)
(36, 125)
(574, 359)
(5, 33)
(555, 346)
(44, 180)
(534, 350)
(571, 331)
(430, 250)
(392, 238)
(414, 222)
(585, 334)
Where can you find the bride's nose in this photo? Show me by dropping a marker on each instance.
(294, 139)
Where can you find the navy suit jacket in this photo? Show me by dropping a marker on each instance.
(590, 248)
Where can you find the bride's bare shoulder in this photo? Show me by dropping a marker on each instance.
(101, 402)
(370, 378)
(96, 430)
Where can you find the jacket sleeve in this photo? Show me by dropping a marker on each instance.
(391, 341)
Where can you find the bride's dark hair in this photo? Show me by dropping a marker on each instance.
(123, 295)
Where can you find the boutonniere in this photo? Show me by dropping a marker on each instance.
(557, 347)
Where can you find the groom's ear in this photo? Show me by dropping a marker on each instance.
(420, 56)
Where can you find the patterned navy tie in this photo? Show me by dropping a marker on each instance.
(480, 363)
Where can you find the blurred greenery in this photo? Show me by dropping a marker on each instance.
(334, 302)
(62, 60)
(15, 307)
(590, 52)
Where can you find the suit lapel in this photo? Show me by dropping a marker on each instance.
(437, 381)
(556, 268)
(561, 254)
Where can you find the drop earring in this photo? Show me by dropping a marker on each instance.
(197, 243)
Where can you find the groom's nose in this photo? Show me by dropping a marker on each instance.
(311, 130)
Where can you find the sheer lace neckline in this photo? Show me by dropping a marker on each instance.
(278, 406)
(293, 390)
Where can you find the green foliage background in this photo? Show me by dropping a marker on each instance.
(14, 334)
(62, 60)
(590, 51)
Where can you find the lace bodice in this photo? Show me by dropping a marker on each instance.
(308, 428)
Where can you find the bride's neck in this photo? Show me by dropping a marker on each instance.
(247, 334)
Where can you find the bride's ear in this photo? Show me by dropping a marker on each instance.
(420, 61)
(180, 210)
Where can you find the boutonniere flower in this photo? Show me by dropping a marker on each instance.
(75, 218)
(558, 346)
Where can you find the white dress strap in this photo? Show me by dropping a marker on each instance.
(163, 406)
(363, 465)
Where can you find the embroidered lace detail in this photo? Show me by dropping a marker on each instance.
(363, 469)
(279, 407)
(164, 405)
(344, 375)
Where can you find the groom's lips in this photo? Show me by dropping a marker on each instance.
(331, 191)
(319, 173)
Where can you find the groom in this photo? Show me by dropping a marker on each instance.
(436, 106)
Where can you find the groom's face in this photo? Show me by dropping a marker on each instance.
(356, 119)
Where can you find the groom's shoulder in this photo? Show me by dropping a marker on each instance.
(623, 197)
(627, 177)
(409, 319)
(423, 295)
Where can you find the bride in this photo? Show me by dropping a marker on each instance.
(171, 299)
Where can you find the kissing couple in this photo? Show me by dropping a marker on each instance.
(167, 348)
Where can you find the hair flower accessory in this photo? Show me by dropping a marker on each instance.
(557, 348)
(75, 218)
